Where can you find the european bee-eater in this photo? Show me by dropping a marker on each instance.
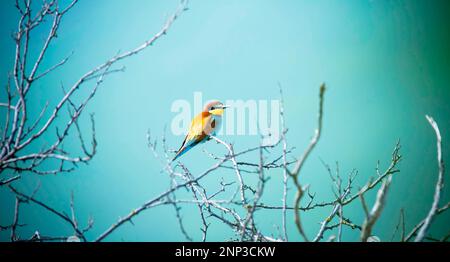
(202, 126)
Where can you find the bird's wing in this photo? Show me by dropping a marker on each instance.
(198, 131)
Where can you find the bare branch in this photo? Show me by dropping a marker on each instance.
(16, 221)
(64, 217)
(375, 213)
(155, 201)
(235, 165)
(401, 223)
(51, 69)
(9, 180)
(419, 225)
(439, 185)
(392, 169)
(16, 138)
(295, 173)
(285, 164)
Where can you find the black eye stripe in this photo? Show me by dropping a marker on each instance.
(215, 107)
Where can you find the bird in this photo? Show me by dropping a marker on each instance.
(203, 125)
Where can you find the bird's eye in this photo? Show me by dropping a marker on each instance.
(212, 108)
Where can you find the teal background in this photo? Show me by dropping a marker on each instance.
(386, 63)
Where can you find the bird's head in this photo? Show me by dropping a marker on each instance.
(215, 108)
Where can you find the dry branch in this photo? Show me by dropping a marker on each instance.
(439, 185)
(296, 171)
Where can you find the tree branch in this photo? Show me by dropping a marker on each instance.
(295, 173)
(439, 185)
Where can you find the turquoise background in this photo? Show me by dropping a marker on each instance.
(386, 63)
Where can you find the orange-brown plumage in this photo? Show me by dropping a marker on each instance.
(202, 126)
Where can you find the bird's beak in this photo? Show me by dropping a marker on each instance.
(225, 106)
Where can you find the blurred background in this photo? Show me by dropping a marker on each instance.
(386, 65)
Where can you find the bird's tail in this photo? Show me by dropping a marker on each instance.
(185, 148)
(180, 152)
